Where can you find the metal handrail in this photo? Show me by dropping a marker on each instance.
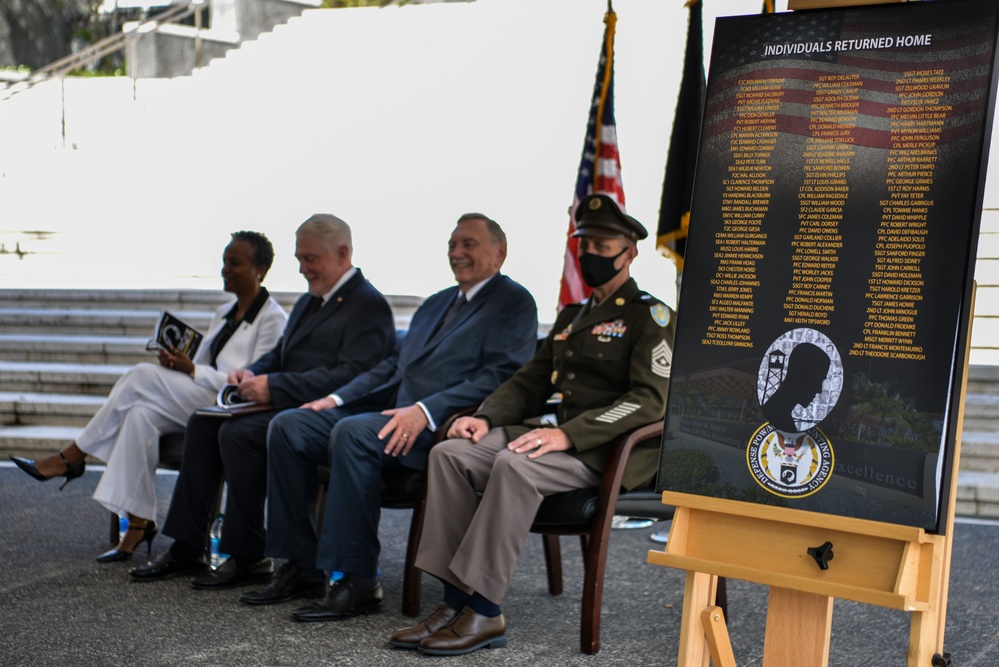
(115, 42)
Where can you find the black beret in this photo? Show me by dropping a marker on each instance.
(599, 215)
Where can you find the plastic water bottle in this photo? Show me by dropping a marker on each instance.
(215, 557)
(122, 528)
(336, 576)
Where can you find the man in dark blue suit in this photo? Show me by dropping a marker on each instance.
(462, 343)
(342, 327)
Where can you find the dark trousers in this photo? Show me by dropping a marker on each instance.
(297, 444)
(349, 445)
(215, 450)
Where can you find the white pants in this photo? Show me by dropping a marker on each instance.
(148, 401)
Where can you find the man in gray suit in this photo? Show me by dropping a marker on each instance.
(461, 344)
(342, 327)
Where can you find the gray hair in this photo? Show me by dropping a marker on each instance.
(334, 231)
(499, 236)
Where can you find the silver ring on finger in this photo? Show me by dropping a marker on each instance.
(539, 442)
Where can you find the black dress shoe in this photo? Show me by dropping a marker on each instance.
(343, 600)
(230, 576)
(149, 531)
(289, 583)
(72, 471)
(166, 566)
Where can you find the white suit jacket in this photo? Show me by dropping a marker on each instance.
(248, 342)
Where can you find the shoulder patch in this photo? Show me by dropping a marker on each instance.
(660, 314)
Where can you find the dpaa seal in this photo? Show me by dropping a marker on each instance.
(791, 467)
(798, 384)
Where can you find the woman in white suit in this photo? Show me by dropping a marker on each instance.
(153, 400)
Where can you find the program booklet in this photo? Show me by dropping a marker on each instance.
(229, 403)
(173, 331)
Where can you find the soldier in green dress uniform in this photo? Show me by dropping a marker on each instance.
(607, 361)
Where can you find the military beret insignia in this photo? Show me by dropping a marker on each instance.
(594, 204)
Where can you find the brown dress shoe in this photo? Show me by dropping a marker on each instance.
(412, 636)
(468, 632)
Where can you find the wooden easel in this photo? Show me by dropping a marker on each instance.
(888, 565)
(883, 564)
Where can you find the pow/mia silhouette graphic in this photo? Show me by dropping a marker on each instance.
(798, 384)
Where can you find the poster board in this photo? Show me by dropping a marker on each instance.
(826, 298)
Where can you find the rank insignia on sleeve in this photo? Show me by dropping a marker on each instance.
(618, 412)
(660, 314)
(661, 357)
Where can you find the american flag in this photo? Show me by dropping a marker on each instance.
(599, 165)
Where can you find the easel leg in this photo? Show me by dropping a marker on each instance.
(719, 644)
(698, 593)
(799, 626)
(922, 638)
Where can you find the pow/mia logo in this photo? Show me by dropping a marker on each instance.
(790, 465)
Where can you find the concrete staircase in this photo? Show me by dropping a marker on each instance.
(978, 481)
(62, 350)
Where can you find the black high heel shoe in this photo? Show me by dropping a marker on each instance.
(149, 532)
(72, 471)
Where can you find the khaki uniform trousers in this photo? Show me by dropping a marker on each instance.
(474, 544)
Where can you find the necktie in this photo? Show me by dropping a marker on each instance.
(456, 305)
(315, 303)
(453, 310)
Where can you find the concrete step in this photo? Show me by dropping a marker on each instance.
(978, 494)
(38, 409)
(37, 377)
(980, 451)
(983, 380)
(99, 322)
(194, 300)
(36, 441)
(78, 349)
(981, 407)
(177, 301)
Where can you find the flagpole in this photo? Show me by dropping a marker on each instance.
(599, 164)
(610, 20)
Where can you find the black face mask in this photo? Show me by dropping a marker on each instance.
(597, 269)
